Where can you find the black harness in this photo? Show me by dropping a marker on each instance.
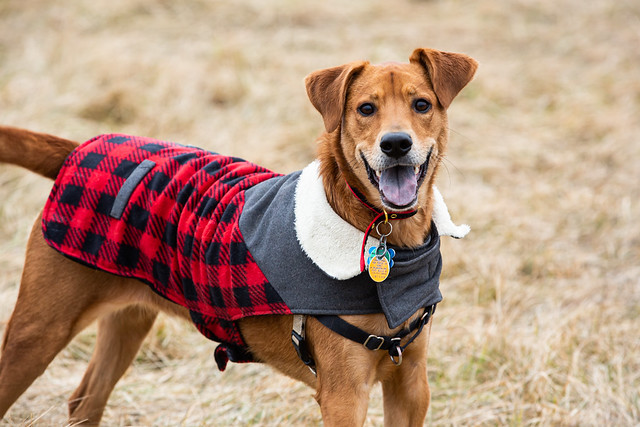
(369, 341)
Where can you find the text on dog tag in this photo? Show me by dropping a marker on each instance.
(378, 268)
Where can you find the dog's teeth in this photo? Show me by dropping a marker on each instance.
(416, 170)
(378, 173)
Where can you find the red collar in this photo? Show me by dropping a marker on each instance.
(379, 214)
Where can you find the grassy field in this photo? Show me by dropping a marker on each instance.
(539, 325)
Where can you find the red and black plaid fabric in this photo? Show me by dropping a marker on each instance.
(178, 231)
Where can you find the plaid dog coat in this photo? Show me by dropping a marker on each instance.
(219, 236)
(165, 214)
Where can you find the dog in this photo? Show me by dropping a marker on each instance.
(361, 223)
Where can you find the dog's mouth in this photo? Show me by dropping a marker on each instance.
(398, 185)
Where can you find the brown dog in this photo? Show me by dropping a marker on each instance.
(380, 120)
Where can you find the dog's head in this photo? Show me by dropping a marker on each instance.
(391, 121)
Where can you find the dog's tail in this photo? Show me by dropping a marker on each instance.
(38, 152)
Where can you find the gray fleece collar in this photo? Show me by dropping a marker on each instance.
(270, 224)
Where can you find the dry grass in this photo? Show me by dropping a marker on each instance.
(540, 320)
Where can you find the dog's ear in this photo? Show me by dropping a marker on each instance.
(449, 72)
(327, 90)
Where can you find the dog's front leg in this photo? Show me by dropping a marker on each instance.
(405, 388)
(346, 374)
(343, 395)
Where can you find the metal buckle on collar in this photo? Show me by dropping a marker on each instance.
(370, 337)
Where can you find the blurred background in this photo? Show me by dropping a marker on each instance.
(539, 323)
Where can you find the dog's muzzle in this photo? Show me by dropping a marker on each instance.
(399, 182)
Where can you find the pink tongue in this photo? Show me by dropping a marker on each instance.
(398, 185)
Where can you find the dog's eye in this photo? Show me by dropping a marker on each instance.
(421, 106)
(366, 109)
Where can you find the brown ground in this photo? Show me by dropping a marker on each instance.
(540, 320)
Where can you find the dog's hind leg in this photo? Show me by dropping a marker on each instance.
(120, 335)
(31, 341)
(57, 299)
(51, 308)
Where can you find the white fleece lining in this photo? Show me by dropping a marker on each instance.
(442, 219)
(330, 242)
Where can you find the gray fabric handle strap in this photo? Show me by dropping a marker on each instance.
(125, 192)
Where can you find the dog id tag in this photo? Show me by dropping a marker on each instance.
(378, 269)
(380, 260)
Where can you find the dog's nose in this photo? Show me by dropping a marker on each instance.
(396, 144)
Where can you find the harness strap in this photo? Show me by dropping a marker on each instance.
(299, 343)
(353, 333)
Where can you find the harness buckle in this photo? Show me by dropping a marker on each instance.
(374, 337)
